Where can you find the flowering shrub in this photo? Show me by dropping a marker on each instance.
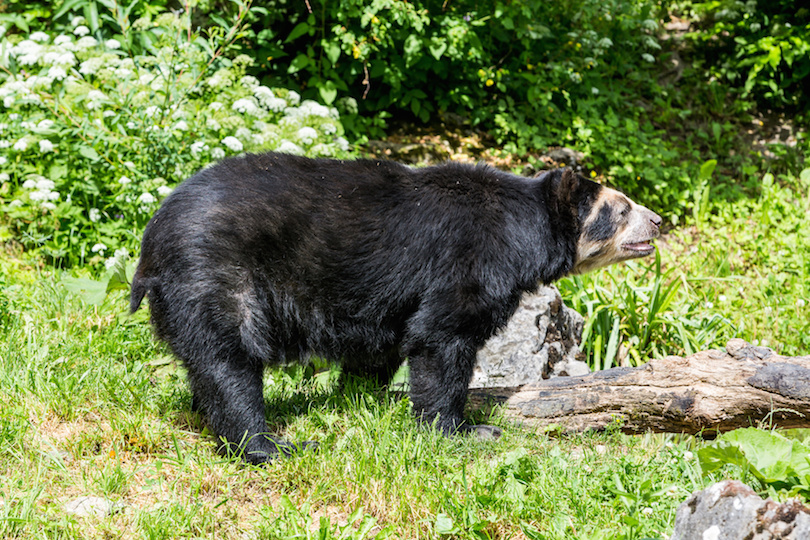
(93, 136)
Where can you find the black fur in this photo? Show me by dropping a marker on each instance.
(604, 226)
(267, 258)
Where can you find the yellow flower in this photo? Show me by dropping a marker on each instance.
(355, 51)
(375, 20)
(593, 174)
(490, 82)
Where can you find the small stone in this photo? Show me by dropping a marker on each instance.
(730, 510)
(575, 368)
(90, 506)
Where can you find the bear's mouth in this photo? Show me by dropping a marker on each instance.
(639, 248)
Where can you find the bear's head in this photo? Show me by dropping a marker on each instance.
(612, 228)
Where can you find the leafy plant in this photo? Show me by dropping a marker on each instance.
(760, 48)
(779, 464)
(640, 313)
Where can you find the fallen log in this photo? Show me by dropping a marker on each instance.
(709, 392)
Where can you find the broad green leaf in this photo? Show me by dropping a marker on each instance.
(707, 169)
(57, 171)
(298, 63)
(770, 457)
(413, 44)
(714, 457)
(437, 48)
(69, 5)
(93, 292)
(91, 14)
(444, 525)
(332, 51)
(514, 490)
(328, 92)
(299, 30)
(89, 153)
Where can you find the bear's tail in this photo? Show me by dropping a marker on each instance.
(140, 286)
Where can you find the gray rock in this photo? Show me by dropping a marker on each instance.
(540, 341)
(565, 156)
(730, 510)
(90, 506)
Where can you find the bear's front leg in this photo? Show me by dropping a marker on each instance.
(439, 379)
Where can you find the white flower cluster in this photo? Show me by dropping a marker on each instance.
(287, 147)
(307, 135)
(42, 190)
(198, 147)
(248, 106)
(233, 144)
(121, 103)
(121, 255)
(312, 108)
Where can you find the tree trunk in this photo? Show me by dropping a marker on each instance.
(709, 392)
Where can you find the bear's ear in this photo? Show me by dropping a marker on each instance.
(567, 187)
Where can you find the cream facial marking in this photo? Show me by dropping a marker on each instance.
(617, 229)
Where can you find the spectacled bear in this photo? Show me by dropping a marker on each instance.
(262, 259)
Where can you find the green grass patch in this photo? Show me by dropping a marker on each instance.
(92, 406)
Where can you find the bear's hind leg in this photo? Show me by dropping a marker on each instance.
(228, 390)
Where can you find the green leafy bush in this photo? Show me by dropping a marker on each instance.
(761, 48)
(93, 136)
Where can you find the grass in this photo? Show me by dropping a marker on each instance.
(92, 405)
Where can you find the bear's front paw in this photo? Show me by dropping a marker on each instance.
(276, 448)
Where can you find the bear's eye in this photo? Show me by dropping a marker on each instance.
(625, 211)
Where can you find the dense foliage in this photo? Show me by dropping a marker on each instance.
(533, 73)
(761, 49)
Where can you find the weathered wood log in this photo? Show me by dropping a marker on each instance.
(708, 392)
